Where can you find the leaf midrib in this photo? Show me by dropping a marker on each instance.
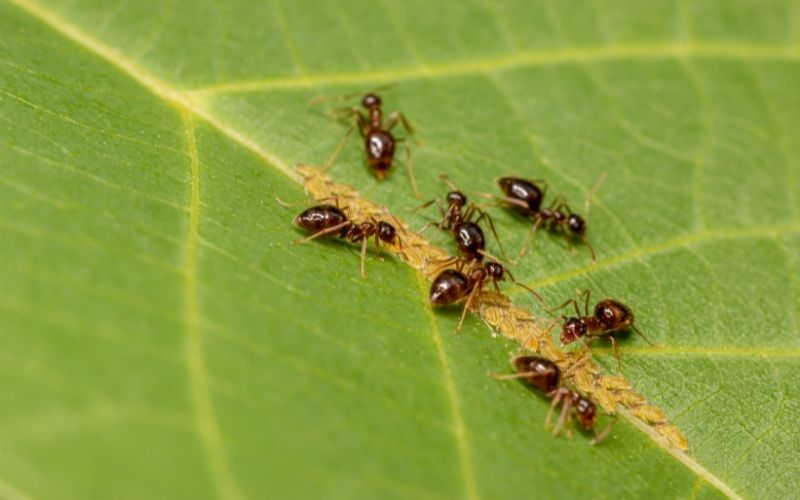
(187, 103)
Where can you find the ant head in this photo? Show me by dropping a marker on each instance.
(613, 315)
(386, 232)
(495, 270)
(586, 413)
(572, 330)
(576, 224)
(371, 101)
(456, 198)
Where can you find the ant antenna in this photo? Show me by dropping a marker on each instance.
(444, 178)
(590, 194)
(636, 329)
(526, 287)
(329, 98)
(328, 164)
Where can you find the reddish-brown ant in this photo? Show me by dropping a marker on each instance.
(526, 198)
(610, 316)
(458, 220)
(452, 285)
(544, 375)
(328, 220)
(379, 142)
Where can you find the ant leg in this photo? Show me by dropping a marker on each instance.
(363, 256)
(396, 117)
(616, 353)
(512, 376)
(587, 293)
(475, 291)
(598, 437)
(504, 200)
(491, 225)
(324, 232)
(289, 204)
(528, 239)
(565, 411)
(590, 247)
(556, 400)
(410, 170)
(328, 164)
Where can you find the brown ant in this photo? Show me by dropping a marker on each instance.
(328, 220)
(452, 285)
(610, 316)
(458, 220)
(545, 376)
(526, 198)
(379, 142)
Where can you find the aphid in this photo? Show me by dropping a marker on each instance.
(610, 316)
(526, 197)
(458, 220)
(452, 285)
(379, 142)
(328, 221)
(545, 376)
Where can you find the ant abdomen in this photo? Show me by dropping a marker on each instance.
(320, 217)
(613, 315)
(449, 286)
(538, 372)
(524, 191)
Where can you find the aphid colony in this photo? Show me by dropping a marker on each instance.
(463, 278)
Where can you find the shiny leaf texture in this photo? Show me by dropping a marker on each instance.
(163, 337)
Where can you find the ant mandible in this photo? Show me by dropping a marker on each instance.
(545, 376)
(458, 220)
(452, 285)
(328, 220)
(526, 198)
(379, 142)
(610, 316)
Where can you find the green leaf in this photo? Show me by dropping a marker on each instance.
(162, 336)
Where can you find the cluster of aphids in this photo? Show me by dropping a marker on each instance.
(463, 278)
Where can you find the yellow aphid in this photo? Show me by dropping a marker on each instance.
(674, 436)
(583, 379)
(605, 400)
(492, 315)
(649, 414)
(613, 382)
(629, 399)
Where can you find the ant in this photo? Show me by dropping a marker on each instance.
(545, 376)
(328, 220)
(610, 316)
(452, 285)
(526, 198)
(379, 142)
(457, 220)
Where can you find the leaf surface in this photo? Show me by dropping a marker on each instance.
(162, 336)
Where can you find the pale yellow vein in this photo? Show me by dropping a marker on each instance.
(734, 51)
(459, 429)
(206, 421)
